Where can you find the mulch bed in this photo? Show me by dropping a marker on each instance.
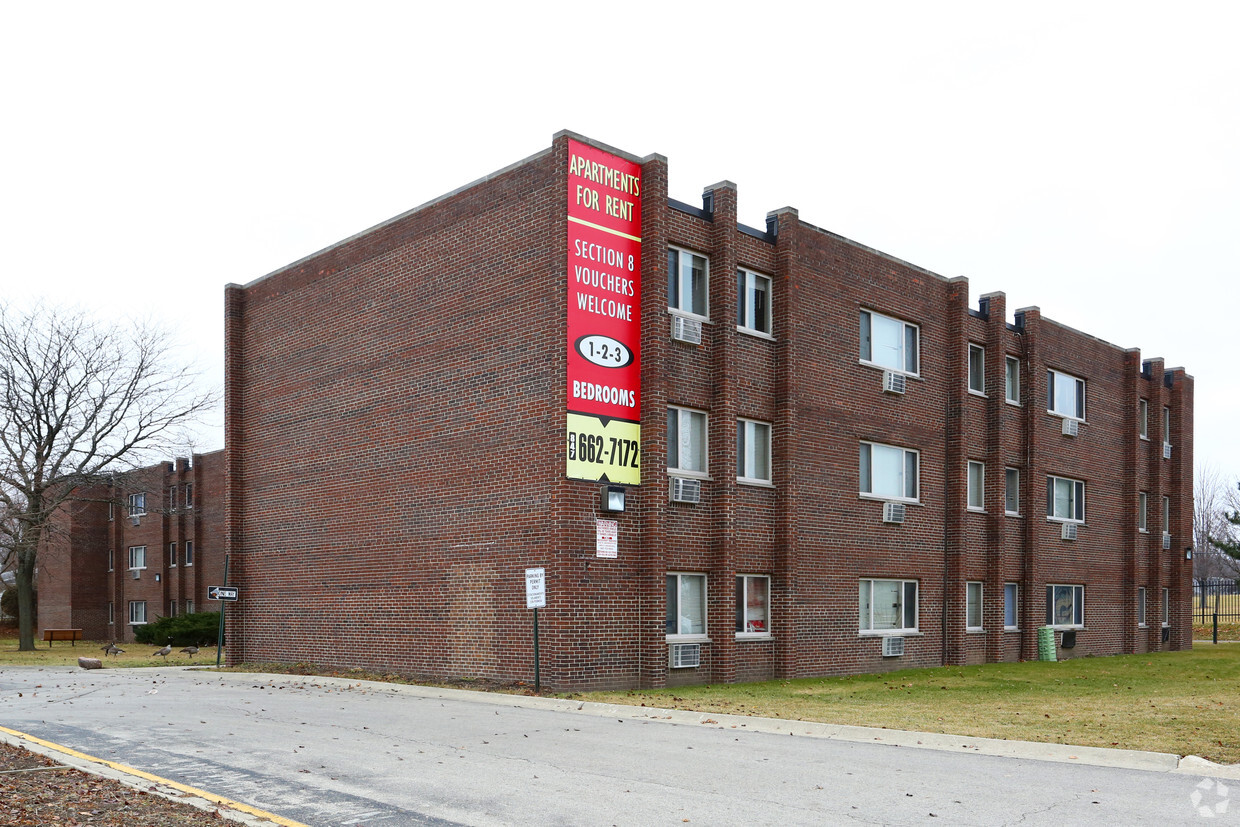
(36, 791)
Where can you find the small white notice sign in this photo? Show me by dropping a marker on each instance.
(535, 588)
(607, 538)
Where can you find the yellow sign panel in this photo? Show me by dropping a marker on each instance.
(604, 451)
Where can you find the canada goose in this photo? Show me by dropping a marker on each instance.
(112, 649)
(164, 653)
(191, 651)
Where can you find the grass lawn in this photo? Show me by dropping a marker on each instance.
(1178, 702)
(63, 653)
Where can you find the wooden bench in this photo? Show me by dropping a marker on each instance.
(71, 635)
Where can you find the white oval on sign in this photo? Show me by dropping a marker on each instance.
(604, 351)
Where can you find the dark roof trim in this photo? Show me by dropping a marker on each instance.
(761, 235)
(689, 209)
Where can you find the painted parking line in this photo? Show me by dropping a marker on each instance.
(164, 782)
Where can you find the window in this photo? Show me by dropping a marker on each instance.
(1166, 515)
(111, 558)
(189, 607)
(973, 606)
(888, 605)
(753, 302)
(1065, 606)
(137, 505)
(172, 498)
(753, 606)
(1065, 395)
(1143, 418)
(172, 554)
(1166, 425)
(977, 369)
(976, 486)
(1141, 606)
(687, 275)
(888, 343)
(172, 608)
(686, 441)
(189, 553)
(1011, 380)
(1142, 507)
(111, 613)
(137, 612)
(1065, 499)
(189, 495)
(1166, 608)
(1011, 491)
(1011, 594)
(137, 557)
(753, 451)
(686, 604)
(888, 472)
(111, 511)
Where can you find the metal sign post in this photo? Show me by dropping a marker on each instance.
(536, 598)
(219, 639)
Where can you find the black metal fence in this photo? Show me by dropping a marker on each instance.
(1216, 602)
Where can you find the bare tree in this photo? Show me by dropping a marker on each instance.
(1213, 497)
(80, 401)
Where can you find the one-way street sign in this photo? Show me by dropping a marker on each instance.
(222, 592)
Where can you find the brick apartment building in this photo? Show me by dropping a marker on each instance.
(832, 462)
(122, 556)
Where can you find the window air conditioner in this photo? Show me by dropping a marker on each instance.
(894, 382)
(137, 573)
(893, 647)
(686, 491)
(136, 520)
(685, 655)
(1068, 531)
(893, 512)
(687, 330)
(1166, 540)
(1071, 427)
(1166, 450)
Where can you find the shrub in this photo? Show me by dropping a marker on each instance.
(197, 629)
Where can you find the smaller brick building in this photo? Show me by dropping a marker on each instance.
(121, 556)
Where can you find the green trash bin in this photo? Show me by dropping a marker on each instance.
(1046, 643)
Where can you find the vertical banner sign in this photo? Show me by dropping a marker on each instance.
(604, 316)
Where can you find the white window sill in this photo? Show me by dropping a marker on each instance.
(1011, 513)
(756, 483)
(754, 636)
(900, 371)
(1143, 437)
(1142, 626)
(757, 334)
(982, 394)
(1068, 628)
(1058, 415)
(674, 311)
(889, 633)
(975, 510)
(1064, 520)
(1143, 531)
(975, 631)
(880, 498)
(1011, 628)
(1015, 403)
(687, 638)
(692, 475)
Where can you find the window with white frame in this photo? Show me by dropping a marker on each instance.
(172, 498)
(111, 511)
(753, 451)
(686, 605)
(137, 505)
(1011, 491)
(753, 302)
(1011, 612)
(687, 282)
(1166, 608)
(172, 608)
(1143, 419)
(976, 486)
(111, 559)
(753, 605)
(887, 605)
(189, 607)
(1166, 428)
(888, 342)
(1011, 380)
(977, 369)
(1065, 606)
(1166, 514)
(686, 442)
(888, 472)
(189, 553)
(973, 606)
(111, 613)
(1142, 512)
(1065, 499)
(172, 554)
(189, 495)
(1141, 606)
(137, 557)
(137, 612)
(1065, 395)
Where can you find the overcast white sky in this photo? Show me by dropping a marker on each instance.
(1081, 157)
